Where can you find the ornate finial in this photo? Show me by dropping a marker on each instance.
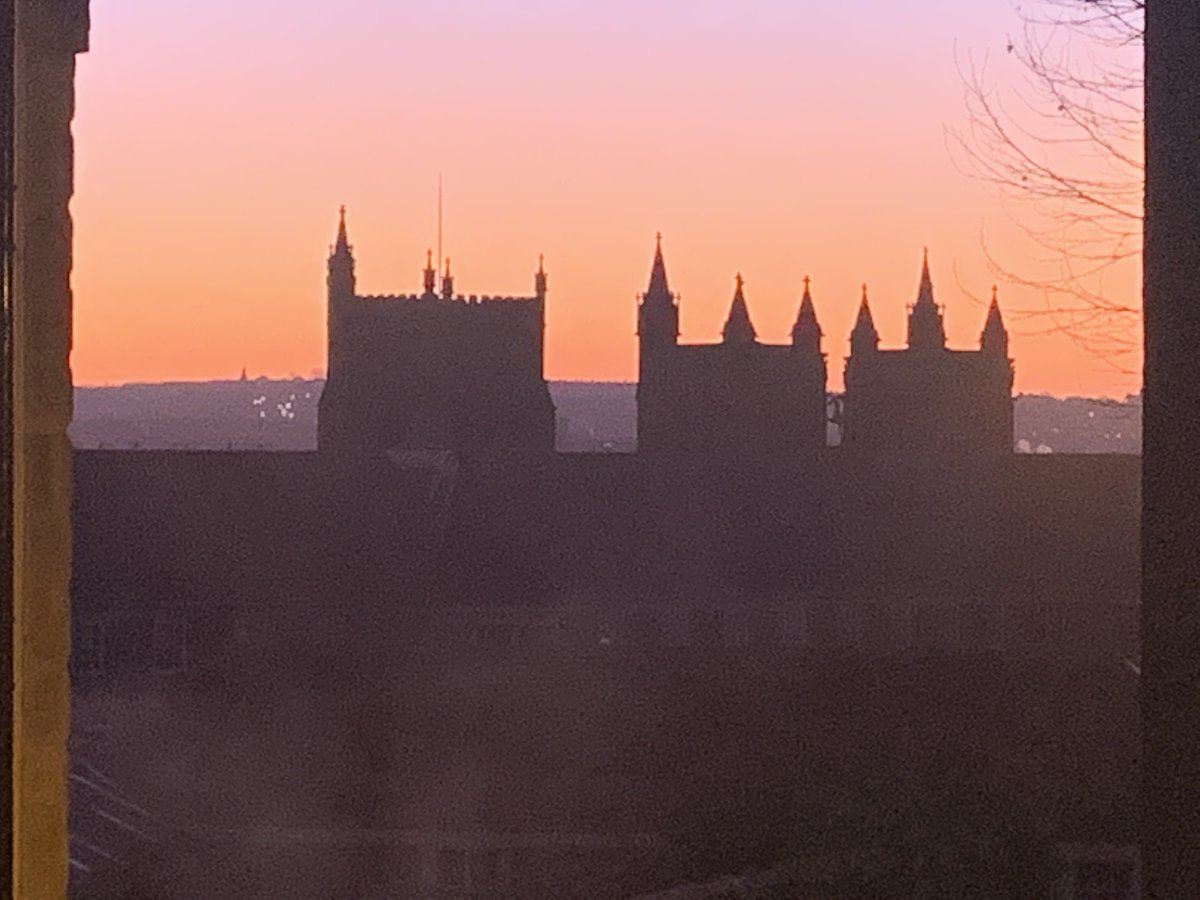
(447, 267)
(429, 259)
(994, 292)
(342, 212)
(925, 255)
(864, 292)
(806, 280)
(541, 264)
(658, 239)
(740, 281)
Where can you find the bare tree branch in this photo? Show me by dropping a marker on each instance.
(1069, 155)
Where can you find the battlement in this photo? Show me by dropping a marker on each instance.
(458, 300)
(460, 311)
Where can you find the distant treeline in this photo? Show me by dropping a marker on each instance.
(592, 416)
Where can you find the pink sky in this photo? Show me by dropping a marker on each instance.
(216, 140)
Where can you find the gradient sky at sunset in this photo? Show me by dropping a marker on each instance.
(216, 139)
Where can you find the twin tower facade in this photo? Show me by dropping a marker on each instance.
(742, 399)
(442, 371)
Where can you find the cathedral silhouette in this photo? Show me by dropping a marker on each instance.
(440, 371)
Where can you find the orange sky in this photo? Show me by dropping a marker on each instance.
(217, 138)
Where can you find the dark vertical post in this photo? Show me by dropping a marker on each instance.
(1170, 684)
(7, 146)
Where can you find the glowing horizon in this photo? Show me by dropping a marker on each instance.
(217, 139)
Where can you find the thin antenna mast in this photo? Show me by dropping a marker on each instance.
(438, 263)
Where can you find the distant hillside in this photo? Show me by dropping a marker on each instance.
(592, 416)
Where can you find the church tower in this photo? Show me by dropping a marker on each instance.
(929, 401)
(741, 402)
(658, 337)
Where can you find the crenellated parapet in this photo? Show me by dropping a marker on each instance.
(459, 300)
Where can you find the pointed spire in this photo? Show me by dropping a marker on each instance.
(539, 279)
(806, 333)
(925, 289)
(343, 243)
(341, 261)
(926, 330)
(658, 288)
(738, 327)
(864, 337)
(430, 275)
(658, 311)
(447, 283)
(995, 335)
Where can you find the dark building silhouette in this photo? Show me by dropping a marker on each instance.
(441, 371)
(928, 399)
(592, 674)
(418, 659)
(739, 400)
(433, 371)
